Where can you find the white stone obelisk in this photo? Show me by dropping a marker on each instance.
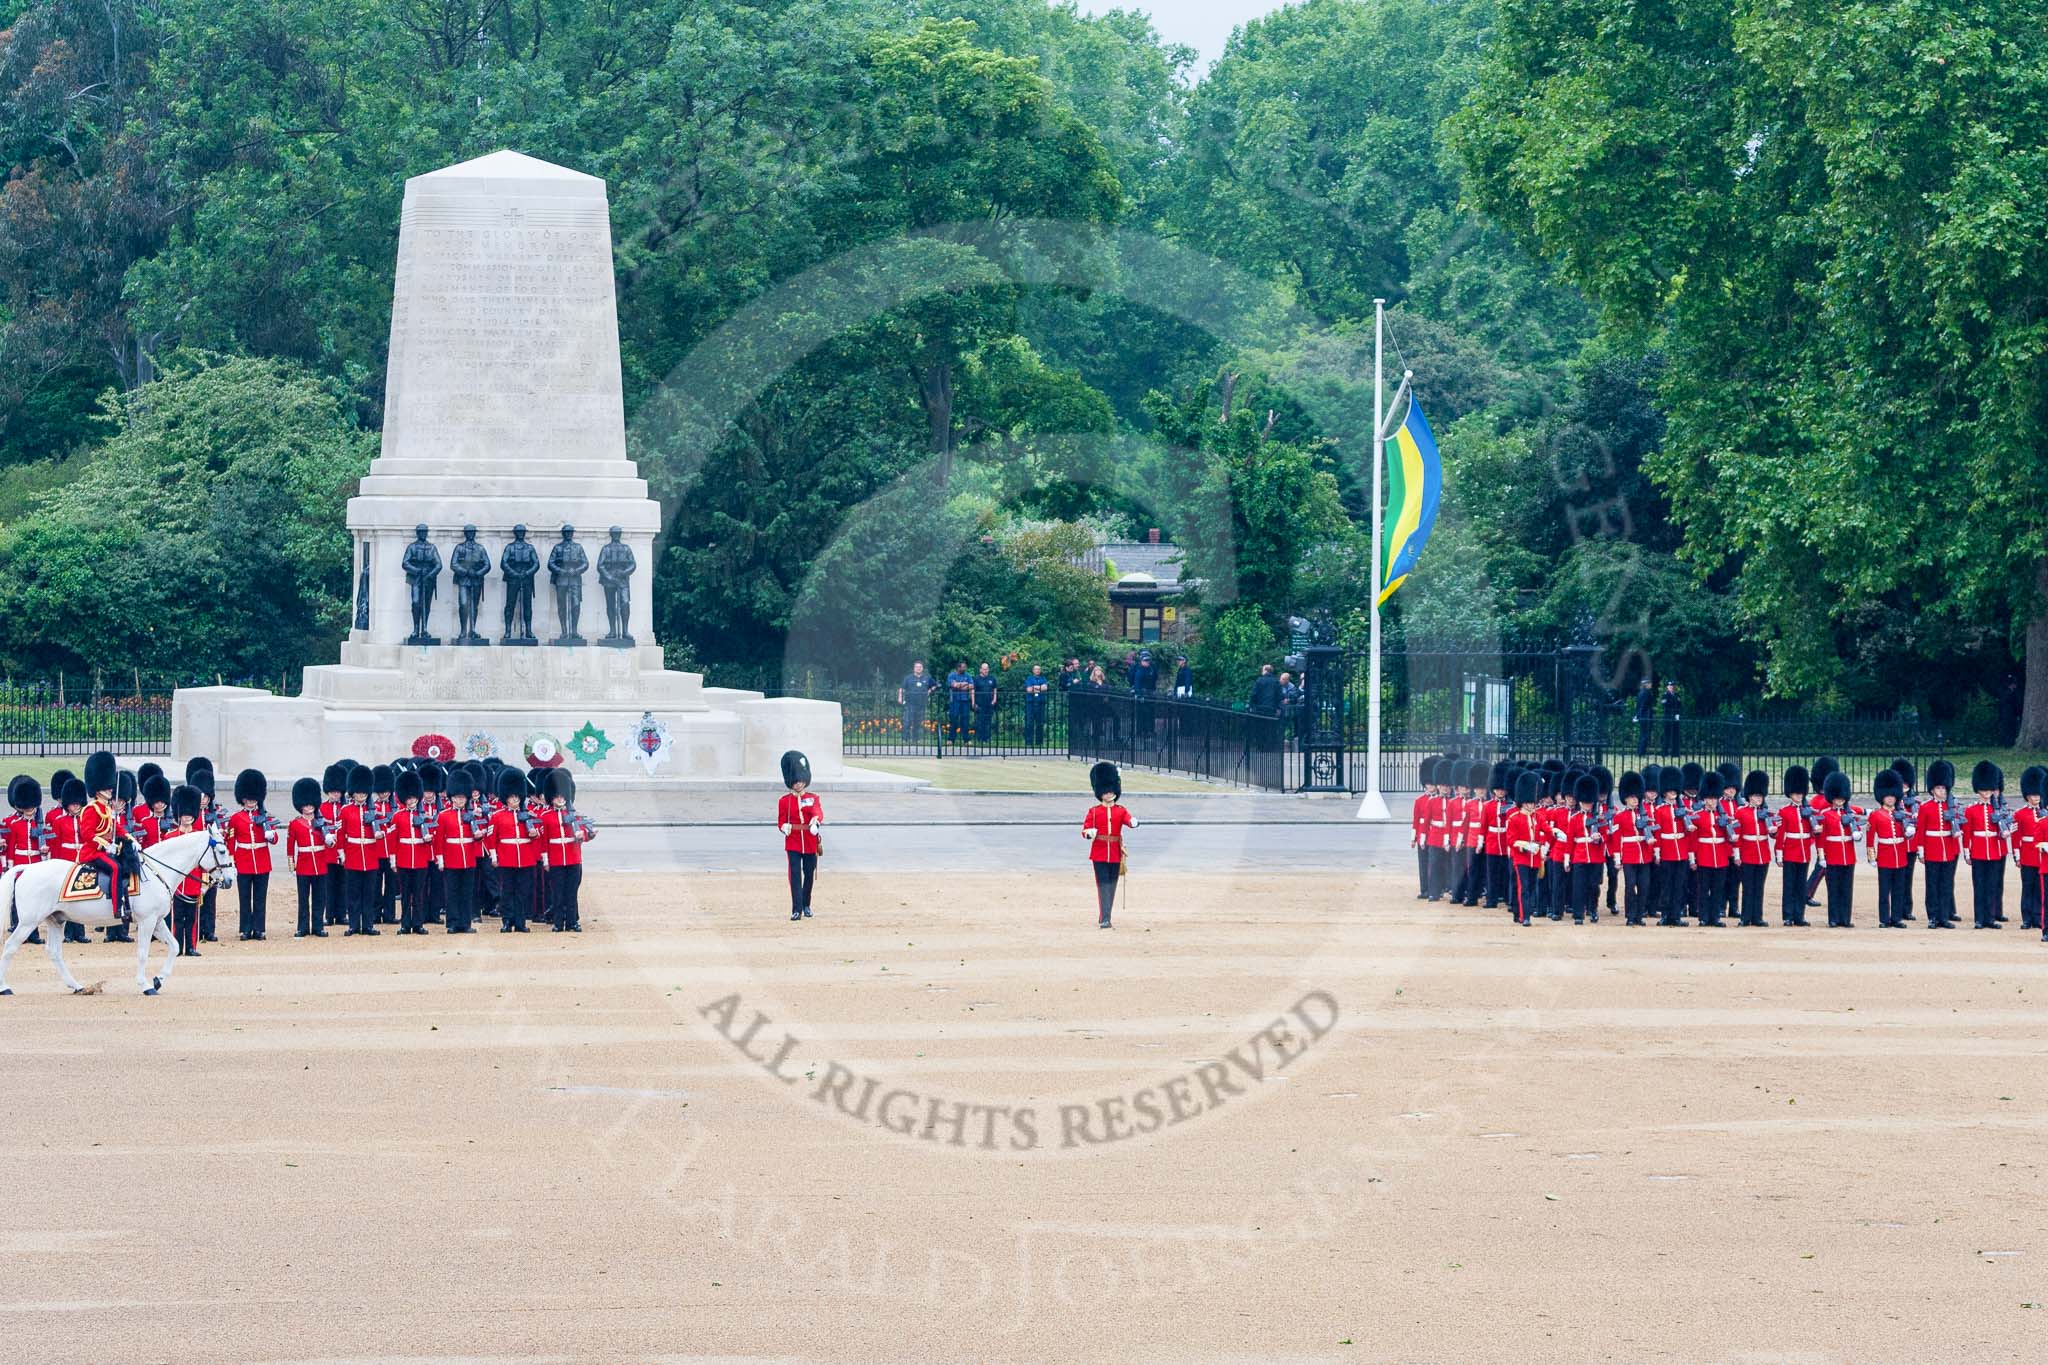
(503, 408)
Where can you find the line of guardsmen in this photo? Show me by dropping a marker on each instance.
(1686, 841)
(410, 843)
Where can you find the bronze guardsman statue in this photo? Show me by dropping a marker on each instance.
(470, 563)
(615, 566)
(566, 566)
(517, 566)
(422, 567)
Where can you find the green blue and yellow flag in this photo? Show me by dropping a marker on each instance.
(1415, 480)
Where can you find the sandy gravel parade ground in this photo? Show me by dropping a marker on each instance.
(1268, 1117)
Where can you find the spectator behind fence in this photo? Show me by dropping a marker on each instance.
(1144, 674)
(1291, 709)
(1036, 686)
(913, 695)
(1673, 713)
(1071, 676)
(1266, 692)
(1183, 679)
(986, 694)
(959, 697)
(1646, 710)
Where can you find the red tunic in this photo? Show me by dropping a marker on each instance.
(797, 812)
(1837, 836)
(1439, 835)
(1586, 845)
(1556, 826)
(1110, 822)
(250, 844)
(1418, 822)
(305, 849)
(1476, 822)
(1888, 837)
(360, 848)
(1983, 841)
(1794, 834)
(1707, 844)
(19, 849)
(64, 837)
(1670, 828)
(2029, 828)
(330, 811)
(1935, 840)
(1497, 813)
(1526, 827)
(96, 828)
(145, 828)
(1752, 836)
(564, 844)
(1629, 839)
(454, 845)
(412, 840)
(510, 844)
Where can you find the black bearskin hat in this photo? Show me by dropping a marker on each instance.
(1796, 781)
(59, 780)
(1425, 772)
(1653, 774)
(1690, 775)
(1941, 773)
(433, 777)
(1474, 774)
(156, 789)
(305, 792)
(100, 773)
(460, 783)
(1528, 787)
(1105, 780)
(1905, 771)
(202, 782)
(1758, 783)
(560, 782)
(795, 768)
(1586, 790)
(250, 786)
(1667, 780)
(185, 803)
(145, 771)
(358, 781)
(409, 787)
(1604, 778)
(1886, 783)
(1710, 785)
(1499, 777)
(2034, 781)
(537, 781)
(334, 779)
(1835, 786)
(1631, 784)
(1822, 766)
(73, 793)
(124, 787)
(511, 785)
(1987, 777)
(1731, 776)
(193, 766)
(24, 793)
(381, 779)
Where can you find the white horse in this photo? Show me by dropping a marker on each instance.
(32, 893)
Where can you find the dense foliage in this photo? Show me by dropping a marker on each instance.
(1725, 315)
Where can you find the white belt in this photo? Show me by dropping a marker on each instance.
(1840, 838)
(461, 841)
(1713, 841)
(415, 841)
(570, 840)
(1891, 841)
(251, 848)
(378, 840)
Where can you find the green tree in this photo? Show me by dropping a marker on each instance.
(1832, 222)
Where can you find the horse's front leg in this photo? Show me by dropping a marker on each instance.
(170, 942)
(53, 939)
(145, 934)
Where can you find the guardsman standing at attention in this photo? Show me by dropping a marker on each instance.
(1938, 835)
(21, 845)
(1794, 848)
(306, 848)
(1837, 830)
(332, 782)
(2029, 829)
(1909, 799)
(1103, 827)
(1528, 843)
(565, 833)
(1586, 853)
(1711, 852)
(187, 807)
(1984, 844)
(1753, 846)
(146, 816)
(1673, 867)
(1631, 845)
(250, 835)
(456, 849)
(800, 819)
(412, 848)
(1418, 827)
(516, 851)
(1499, 873)
(362, 846)
(1888, 837)
(383, 800)
(68, 794)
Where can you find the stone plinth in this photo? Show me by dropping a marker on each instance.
(503, 407)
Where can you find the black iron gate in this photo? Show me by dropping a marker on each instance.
(1321, 722)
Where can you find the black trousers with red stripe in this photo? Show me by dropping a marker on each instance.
(1525, 894)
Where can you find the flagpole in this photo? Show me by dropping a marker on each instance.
(1374, 807)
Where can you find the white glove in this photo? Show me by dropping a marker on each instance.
(814, 827)
(784, 829)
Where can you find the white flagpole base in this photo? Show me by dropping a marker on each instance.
(1374, 807)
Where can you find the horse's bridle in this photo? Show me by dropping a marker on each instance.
(206, 874)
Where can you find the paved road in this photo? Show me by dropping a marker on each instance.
(962, 832)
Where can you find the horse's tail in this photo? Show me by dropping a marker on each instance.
(7, 881)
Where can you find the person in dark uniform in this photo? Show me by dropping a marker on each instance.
(800, 819)
(1673, 714)
(1646, 712)
(913, 694)
(959, 702)
(1103, 827)
(986, 695)
(1037, 687)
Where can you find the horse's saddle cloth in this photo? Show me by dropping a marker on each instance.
(83, 884)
